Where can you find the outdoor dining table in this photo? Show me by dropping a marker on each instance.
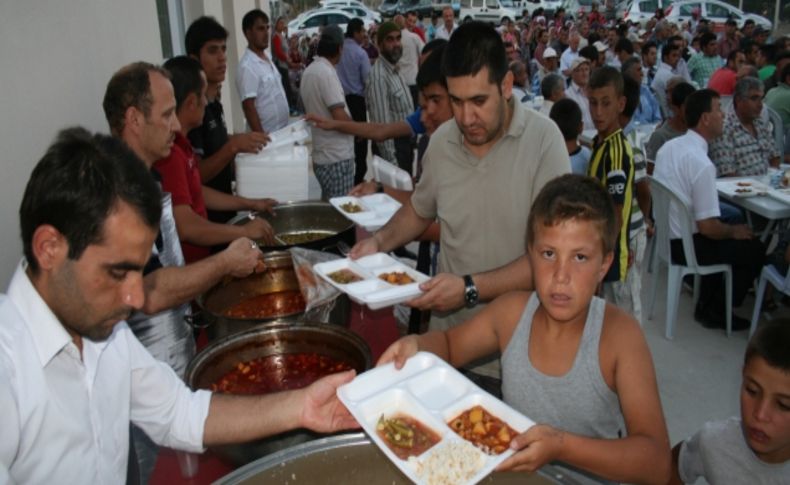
(756, 195)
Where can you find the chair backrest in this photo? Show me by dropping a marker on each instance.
(778, 128)
(663, 202)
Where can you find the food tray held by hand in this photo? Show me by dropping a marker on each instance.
(370, 212)
(432, 392)
(366, 286)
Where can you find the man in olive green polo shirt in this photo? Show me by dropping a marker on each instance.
(481, 174)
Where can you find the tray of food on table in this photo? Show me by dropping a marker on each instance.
(742, 187)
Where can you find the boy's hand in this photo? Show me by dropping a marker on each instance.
(364, 248)
(399, 351)
(539, 445)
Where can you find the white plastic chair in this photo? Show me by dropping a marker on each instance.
(663, 197)
(769, 274)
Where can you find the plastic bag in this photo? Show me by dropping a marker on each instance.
(318, 295)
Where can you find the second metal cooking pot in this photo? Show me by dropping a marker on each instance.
(279, 278)
(307, 216)
(220, 357)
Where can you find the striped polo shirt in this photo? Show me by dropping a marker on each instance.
(612, 163)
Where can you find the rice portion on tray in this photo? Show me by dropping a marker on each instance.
(453, 463)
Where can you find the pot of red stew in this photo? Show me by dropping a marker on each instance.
(275, 358)
(271, 296)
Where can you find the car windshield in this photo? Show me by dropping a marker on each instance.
(508, 3)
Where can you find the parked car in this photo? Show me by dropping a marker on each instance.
(580, 8)
(311, 21)
(715, 11)
(486, 11)
(548, 6)
(355, 7)
(391, 8)
(643, 10)
(439, 5)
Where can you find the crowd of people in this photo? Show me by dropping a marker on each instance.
(539, 239)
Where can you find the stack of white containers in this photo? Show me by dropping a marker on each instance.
(390, 174)
(279, 171)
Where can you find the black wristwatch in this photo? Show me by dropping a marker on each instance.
(471, 296)
(379, 187)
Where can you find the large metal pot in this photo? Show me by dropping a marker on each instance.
(351, 459)
(221, 356)
(307, 216)
(278, 279)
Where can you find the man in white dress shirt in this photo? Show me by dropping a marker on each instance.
(577, 91)
(73, 374)
(448, 26)
(570, 54)
(682, 164)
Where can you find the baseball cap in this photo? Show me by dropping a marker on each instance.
(578, 62)
(549, 52)
(600, 46)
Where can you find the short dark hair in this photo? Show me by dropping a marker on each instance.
(574, 197)
(129, 87)
(354, 25)
(770, 342)
(668, 49)
(431, 68)
(250, 17)
(327, 47)
(706, 38)
(607, 76)
(628, 64)
(647, 46)
(78, 183)
(589, 52)
(472, 47)
(550, 83)
(624, 45)
(203, 30)
(568, 116)
(680, 92)
(632, 92)
(185, 76)
(698, 103)
(432, 45)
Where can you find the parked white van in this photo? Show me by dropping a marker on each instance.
(486, 10)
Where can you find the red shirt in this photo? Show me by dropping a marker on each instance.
(723, 81)
(181, 177)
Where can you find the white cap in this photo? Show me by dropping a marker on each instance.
(549, 52)
(600, 46)
(578, 62)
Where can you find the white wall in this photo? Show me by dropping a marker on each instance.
(57, 58)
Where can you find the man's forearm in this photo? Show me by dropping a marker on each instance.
(174, 285)
(251, 114)
(516, 275)
(405, 226)
(236, 419)
(220, 201)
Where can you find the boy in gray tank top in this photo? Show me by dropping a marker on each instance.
(754, 448)
(577, 366)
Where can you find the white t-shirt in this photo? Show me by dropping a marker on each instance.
(682, 164)
(409, 61)
(260, 79)
(321, 92)
(65, 417)
(719, 453)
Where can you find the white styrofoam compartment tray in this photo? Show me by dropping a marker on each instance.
(373, 291)
(377, 209)
(431, 391)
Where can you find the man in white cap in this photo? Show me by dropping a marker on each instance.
(550, 64)
(577, 91)
(602, 49)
